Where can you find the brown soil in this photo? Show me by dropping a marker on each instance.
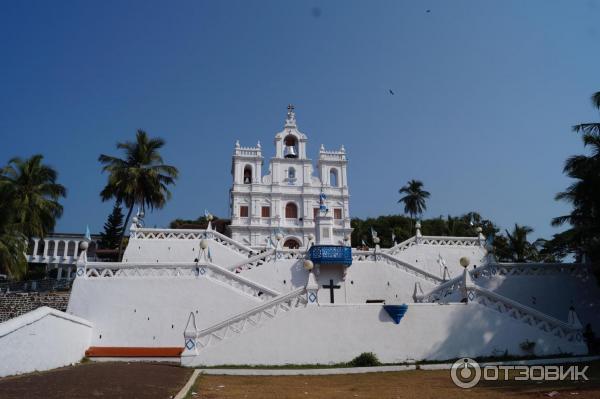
(103, 380)
(405, 384)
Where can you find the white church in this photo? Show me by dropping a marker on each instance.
(287, 198)
(286, 287)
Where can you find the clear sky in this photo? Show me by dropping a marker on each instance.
(485, 94)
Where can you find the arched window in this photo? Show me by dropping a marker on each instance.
(247, 174)
(291, 146)
(291, 211)
(333, 177)
(291, 173)
(291, 243)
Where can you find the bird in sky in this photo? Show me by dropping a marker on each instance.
(391, 92)
(428, 11)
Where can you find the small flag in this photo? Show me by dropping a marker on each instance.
(472, 222)
(393, 237)
(88, 235)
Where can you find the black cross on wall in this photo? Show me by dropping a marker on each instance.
(331, 287)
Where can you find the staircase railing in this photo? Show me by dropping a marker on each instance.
(189, 234)
(578, 270)
(243, 321)
(400, 264)
(402, 246)
(524, 313)
(173, 270)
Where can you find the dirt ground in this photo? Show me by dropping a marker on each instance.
(99, 380)
(162, 381)
(405, 384)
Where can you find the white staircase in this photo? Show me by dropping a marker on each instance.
(393, 261)
(196, 340)
(463, 288)
(179, 270)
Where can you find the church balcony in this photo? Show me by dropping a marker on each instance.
(330, 255)
(292, 222)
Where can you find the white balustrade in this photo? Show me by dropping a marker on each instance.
(179, 270)
(238, 324)
(184, 234)
(400, 264)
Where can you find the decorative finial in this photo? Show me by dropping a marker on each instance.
(290, 120)
(258, 144)
(343, 149)
(322, 147)
(237, 144)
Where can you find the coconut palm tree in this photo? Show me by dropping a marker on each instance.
(584, 192)
(30, 195)
(520, 249)
(139, 178)
(13, 245)
(414, 199)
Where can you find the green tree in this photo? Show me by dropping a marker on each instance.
(113, 228)
(519, 248)
(413, 198)
(139, 178)
(584, 193)
(12, 247)
(31, 194)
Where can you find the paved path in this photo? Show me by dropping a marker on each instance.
(99, 380)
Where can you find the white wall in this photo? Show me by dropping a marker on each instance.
(153, 311)
(332, 334)
(177, 250)
(42, 339)
(552, 294)
(426, 257)
(364, 280)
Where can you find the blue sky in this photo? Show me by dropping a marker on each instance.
(485, 94)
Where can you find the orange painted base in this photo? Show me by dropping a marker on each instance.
(115, 351)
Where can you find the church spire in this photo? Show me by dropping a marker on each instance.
(290, 120)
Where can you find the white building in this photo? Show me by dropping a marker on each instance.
(206, 299)
(286, 199)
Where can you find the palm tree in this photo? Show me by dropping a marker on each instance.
(414, 199)
(520, 249)
(30, 192)
(584, 192)
(13, 245)
(139, 178)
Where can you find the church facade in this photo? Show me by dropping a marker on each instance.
(286, 199)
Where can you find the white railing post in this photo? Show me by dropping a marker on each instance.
(46, 244)
(36, 242)
(82, 260)
(55, 252)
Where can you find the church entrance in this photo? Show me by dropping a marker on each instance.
(291, 243)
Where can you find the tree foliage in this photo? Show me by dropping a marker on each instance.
(414, 198)
(201, 222)
(29, 207)
(139, 178)
(113, 229)
(583, 195)
(29, 189)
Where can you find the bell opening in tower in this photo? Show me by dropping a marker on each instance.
(291, 147)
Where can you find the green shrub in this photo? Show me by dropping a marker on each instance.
(365, 359)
